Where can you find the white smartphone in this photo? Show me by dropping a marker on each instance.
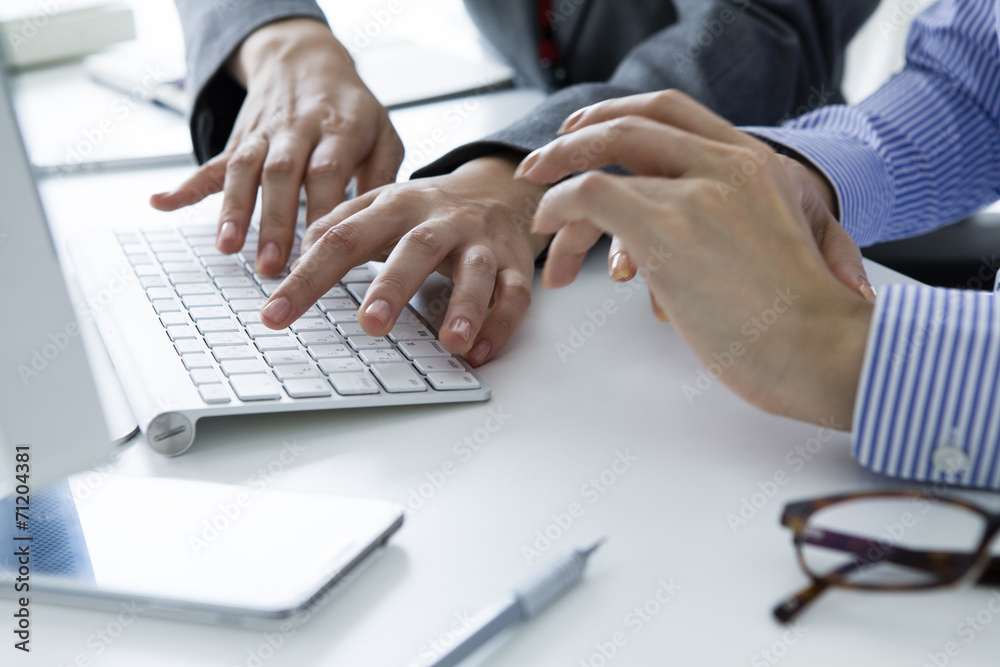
(188, 550)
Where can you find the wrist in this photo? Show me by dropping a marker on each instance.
(823, 187)
(282, 41)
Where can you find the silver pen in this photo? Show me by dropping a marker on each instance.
(534, 594)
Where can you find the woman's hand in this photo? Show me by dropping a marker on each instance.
(746, 275)
(307, 120)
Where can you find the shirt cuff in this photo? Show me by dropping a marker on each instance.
(927, 405)
(865, 192)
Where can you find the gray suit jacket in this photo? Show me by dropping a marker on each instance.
(755, 62)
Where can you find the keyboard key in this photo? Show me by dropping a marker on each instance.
(234, 281)
(360, 274)
(280, 357)
(134, 248)
(139, 260)
(198, 229)
(227, 271)
(410, 332)
(151, 281)
(351, 329)
(353, 384)
(196, 360)
(340, 365)
(260, 387)
(235, 352)
(438, 364)
(213, 326)
(166, 246)
(199, 300)
(269, 287)
(337, 303)
(212, 257)
(165, 257)
(174, 317)
(231, 293)
(399, 378)
(277, 343)
(202, 376)
(342, 316)
(239, 305)
(248, 317)
(233, 367)
(369, 343)
(182, 267)
(380, 357)
(420, 348)
(452, 381)
(310, 338)
(258, 330)
(166, 306)
(214, 393)
(192, 277)
(310, 324)
(329, 352)
(407, 316)
(295, 372)
(189, 345)
(308, 388)
(146, 270)
(187, 289)
(358, 290)
(336, 292)
(210, 313)
(156, 293)
(224, 338)
(181, 331)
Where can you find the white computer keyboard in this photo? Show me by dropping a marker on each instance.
(209, 305)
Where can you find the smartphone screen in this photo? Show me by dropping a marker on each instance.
(188, 549)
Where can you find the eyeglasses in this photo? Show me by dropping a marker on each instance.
(889, 541)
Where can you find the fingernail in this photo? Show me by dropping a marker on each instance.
(526, 165)
(571, 123)
(462, 328)
(378, 311)
(622, 268)
(269, 256)
(867, 291)
(480, 352)
(227, 236)
(658, 311)
(276, 311)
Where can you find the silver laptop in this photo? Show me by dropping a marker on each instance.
(181, 324)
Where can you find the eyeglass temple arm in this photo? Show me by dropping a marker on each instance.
(945, 562)
(788, 609)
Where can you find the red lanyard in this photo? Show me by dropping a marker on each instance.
(548, 47)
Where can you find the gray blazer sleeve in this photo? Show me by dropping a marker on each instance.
(754, 62)
(212, 31)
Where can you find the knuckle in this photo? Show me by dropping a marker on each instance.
(280, 166)
(592, 185)
(481, 260)
(518, 290)
(242, 162)
(325, 170)
(670, 98)
(391, 287)
(340, 240)
(423, 239)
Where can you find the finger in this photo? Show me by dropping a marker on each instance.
(342, 247)
(475, 277)
(327, 177)
(671, 107)
(281, 181)
(338, 215)
(382, 166)
(416, 256)
(513, 297)
(843, 257)
(208, 180)
(621, 268)
(240, 194)
(567, 252)
(641, 145)
(614, 204)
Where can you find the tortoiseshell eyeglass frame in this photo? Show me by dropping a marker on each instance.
(946, 567)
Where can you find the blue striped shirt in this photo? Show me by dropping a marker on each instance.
(922, 152)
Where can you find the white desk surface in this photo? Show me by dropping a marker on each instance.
(565, 424)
